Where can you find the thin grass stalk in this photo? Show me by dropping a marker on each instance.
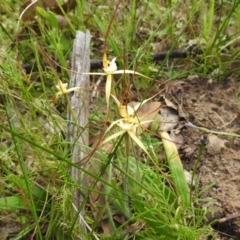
(201, 149)
(99, 177)
(131, 26)
(147, 180)
(110, 39)
(170, 19)
(60, 157)
(125, 178)
(208, 20)
(203, 129)
(25, 172)
(108, 196)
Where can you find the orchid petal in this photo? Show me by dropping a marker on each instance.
(62, 86)
(130, 72)
(139, 143)
(125, 111)
(116, 100)
(115, 135)
(105, 61)
(126, 126)
(108, 90)
(112, 67)
(73, 89)
(136, 107)
(112, 124)
(90, 73)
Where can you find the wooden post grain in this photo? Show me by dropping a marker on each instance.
(77, 132)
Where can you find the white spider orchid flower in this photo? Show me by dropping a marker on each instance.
(129, 124)
(110, 68)
(62, 87)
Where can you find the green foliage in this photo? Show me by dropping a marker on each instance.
(34, 152)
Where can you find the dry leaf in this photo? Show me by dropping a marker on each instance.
(62, 22)
(29, 8)
(147, 112)
(107, 229)
(170, 104)
(66, 7)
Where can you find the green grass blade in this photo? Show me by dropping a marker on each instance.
(176, 168)
(25, 172)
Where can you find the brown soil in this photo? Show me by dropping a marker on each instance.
(214, 105)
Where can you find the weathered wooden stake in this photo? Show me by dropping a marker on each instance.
(77, 132)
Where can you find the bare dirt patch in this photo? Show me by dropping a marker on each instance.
(214, 105)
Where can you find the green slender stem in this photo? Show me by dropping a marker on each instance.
(70, 109)
(217, 132)
(203, 129)
(108, 196)
(126, 180)
(131, 28)
(170, 18)
(201, 149)
(14, 42)
(97, 179)
(24, 171)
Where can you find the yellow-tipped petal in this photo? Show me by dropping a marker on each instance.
(123, 109)
(126, 111)
(105, 61)
(112, 67)
(62, 87)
